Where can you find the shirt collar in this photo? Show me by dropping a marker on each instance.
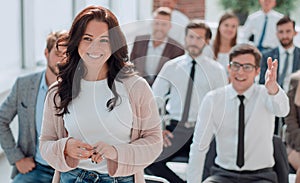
(283, 50)
(248, 93)
(43, 84)
(150, 44)
(267, 14)
(198, 59)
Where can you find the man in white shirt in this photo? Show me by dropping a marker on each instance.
(185, 79)
(262, 25)
(241, 118)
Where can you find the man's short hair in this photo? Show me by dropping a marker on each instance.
(199, 24)
(162, 11)
(284, 20)
(53, 37)
(245, 48)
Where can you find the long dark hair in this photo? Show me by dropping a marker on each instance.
(72, 71)
(217, 41)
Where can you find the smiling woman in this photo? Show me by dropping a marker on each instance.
(97, 115)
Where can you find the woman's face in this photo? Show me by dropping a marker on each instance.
(228, 28)
(94, 47)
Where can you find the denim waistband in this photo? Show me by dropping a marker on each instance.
(83, 175)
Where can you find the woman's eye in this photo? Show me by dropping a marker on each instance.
(87, 39)
(104, 40)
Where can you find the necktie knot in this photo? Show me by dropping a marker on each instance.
(241, 97)
(193, 62)
(287, 53)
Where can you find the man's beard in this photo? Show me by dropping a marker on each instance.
(197, 52)
(288, 44)
(54, 70)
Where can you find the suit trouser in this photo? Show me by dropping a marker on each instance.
(220, 175)
(180, 147)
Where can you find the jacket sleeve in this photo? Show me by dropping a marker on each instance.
(8, 111)
(54, 137)
(146, 144)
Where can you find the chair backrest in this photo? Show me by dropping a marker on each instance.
(155, 179)
(281, 166)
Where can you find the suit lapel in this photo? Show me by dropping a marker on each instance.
(141, 62)
(34, 89)
(276, 56)
(296, 59)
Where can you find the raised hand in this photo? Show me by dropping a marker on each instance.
(78, 149)
(271, 76)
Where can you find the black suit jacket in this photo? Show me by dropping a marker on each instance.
(138, 54)
(274, 53)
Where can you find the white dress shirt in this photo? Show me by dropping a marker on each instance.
(153, 57)
(254, 25)
(282, 56)
(218, 116)
(174, 77)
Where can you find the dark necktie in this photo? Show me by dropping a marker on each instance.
(259, 46)
(188, 96)
(240, 151)
(285, 67)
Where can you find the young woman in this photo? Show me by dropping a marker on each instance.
(101, 123)
(226, 38)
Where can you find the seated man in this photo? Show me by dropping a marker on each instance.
(241, 118)
(186, 79)
(151, 52)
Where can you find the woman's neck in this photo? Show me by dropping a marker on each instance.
(95, 74)
(225, 45)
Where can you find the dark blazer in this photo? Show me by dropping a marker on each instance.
(21, 101)
(274, 53)
(138, 54)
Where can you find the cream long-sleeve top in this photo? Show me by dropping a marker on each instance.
(145, 140)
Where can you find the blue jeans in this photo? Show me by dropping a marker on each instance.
(40, 174)
(80, 175)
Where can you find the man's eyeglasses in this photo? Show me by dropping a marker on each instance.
(246, 67)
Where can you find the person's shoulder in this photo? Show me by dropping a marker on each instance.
(255, 15)
(30, 76)
(218, 92)
(270, 52)
(211, 62)
(297, 48)
(295, 76)
(276, 14)
(174, 43)
(176, 61)
(134, 80)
